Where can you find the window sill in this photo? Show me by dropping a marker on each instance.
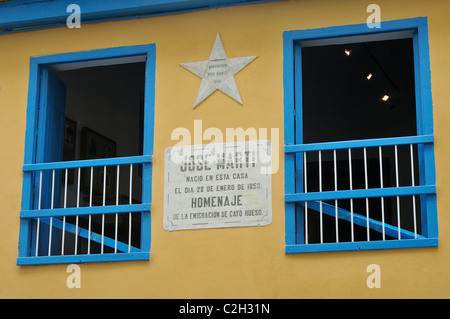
(371, 245)
(73, 259)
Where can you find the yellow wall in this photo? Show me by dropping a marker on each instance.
(246, 262)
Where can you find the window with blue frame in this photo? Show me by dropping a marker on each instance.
(359, 153)
(88, 157)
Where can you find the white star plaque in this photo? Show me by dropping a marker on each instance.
(218, 73)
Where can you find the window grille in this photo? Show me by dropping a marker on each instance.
(403, 199)
(332, 202)
(94, 225)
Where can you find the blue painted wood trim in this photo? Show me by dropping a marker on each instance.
(88, 163)
(404, 140)
(424, 103)
(94, 210)
(29, 156)
(101, 54)
(298, 117)
(419, 121)
(289, 139)
(362, 193)
(149, 120)
(73, 259)
(26, 14)
(355, 29)
(367, 245)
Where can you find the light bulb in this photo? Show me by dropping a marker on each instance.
(369, 76)
(385, 97)
(348, 52)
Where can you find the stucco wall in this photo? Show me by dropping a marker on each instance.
(247, 262)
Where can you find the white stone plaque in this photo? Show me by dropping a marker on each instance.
(218, 185)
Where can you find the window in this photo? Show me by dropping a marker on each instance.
(88, 149)
(359, 154)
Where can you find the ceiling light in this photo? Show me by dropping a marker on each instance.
(369, 76)
(385, 97)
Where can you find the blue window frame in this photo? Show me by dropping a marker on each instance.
(44, 218)
(301, 203)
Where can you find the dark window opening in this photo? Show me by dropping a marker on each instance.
(341, 103)
(353, 92)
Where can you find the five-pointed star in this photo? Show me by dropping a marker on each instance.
(217, 73)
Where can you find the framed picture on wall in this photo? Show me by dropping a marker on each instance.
(70, 143)
(94, 146)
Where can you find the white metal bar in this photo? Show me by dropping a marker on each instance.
(320, 190)
(51, 218)
(78, 205)
(117, 203)
(40, 189)
(104, 202)
(53, 189)
(306, 203)
(351, 187)
(39, 207)
(397, 185)
(381, 186)
(413, 184)
(91, 183)
(65, 206)
(335, 201)
(130, 202)
(366, 179)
